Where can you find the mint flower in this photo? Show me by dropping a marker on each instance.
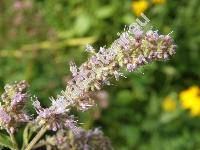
(56, 116)
(12, 107)
(86, 140)
(130, 51)
(134, 48)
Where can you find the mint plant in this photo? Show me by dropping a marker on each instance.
(133, 49)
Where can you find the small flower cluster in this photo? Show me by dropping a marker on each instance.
(92, 139)
(56, 117)
(134, 48)
(12, 107)
(190, 99)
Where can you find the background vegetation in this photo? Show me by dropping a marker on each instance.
(159, 109)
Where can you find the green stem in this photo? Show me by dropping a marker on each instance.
(12, 137)
(39, 145)
(37, 137)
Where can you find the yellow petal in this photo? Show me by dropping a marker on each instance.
(139, 7)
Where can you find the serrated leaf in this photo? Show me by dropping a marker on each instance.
(5, 141)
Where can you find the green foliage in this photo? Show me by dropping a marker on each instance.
(37, 43)
(5, 141)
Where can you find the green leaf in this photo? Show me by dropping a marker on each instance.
(25, 135)
(105, 12)
(28, 132)
(82, 24)
(124, 97)
(169, 117)
(5, 141)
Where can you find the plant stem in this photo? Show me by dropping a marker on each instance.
(37, 137)
(12, 137)
(39, 145)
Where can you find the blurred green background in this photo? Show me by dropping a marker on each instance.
(158, 110)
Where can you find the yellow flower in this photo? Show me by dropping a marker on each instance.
(190, 99)
(139, 7)
(169, 104)
(159, 1)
